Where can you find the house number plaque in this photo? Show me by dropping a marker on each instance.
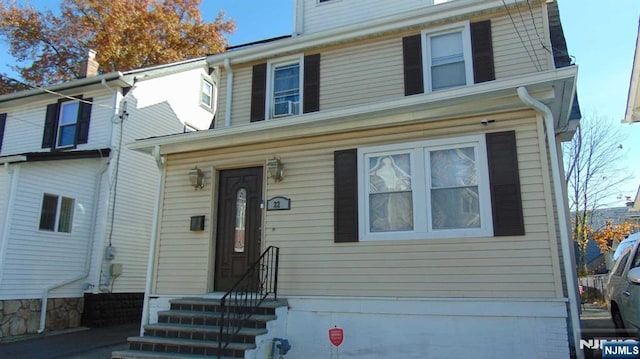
(279, 204)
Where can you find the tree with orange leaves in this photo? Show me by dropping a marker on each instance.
(605, 235)
(126, 34)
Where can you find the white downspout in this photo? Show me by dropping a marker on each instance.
(88, 255)
(561, 204)
(227, 107)
(154, 241)
(13, 171)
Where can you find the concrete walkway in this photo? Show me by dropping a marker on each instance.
(79, 343)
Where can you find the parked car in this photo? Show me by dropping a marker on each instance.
(623, 289)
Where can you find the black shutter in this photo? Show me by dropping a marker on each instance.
(258, 92)
(50, 126)
(345, 196)
(311, 83)
(482, 48)
(84, 116)
(3, 122)
(506, 201)
(412, 61)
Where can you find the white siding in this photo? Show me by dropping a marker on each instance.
(335, 13)
(25, 126)
(135, 191)
(312, 264)
(35, 259)
(181, 91)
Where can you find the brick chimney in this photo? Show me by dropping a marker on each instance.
(90, 66)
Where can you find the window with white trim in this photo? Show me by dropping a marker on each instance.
(67, 124)
(447, 57)
(206, 94)
(427, 189)
(285, 88)
(57, 213)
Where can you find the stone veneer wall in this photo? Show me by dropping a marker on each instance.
(22, 316)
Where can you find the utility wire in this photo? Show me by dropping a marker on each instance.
(526, 28)
(55, 93)
(520, 36)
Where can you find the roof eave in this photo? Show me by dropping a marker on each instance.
(497, 95)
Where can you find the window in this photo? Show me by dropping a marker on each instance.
(57, 213)
(285, 87)
(621, 263)
(67, 124)
(286, 84)
(424, 189)
(448, 58)
(206, 94)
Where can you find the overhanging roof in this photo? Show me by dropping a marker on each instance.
(493, 96)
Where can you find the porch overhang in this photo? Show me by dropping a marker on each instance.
(555, 88)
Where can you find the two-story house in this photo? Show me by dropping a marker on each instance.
(401, 161)
(76, 206)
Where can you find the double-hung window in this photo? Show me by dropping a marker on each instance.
(57, 213)
(67, 124)
(447, 57)
(206, 94)
(424, 189)
(286, 88)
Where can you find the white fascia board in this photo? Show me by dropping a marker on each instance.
(395, 23)
(499, 95)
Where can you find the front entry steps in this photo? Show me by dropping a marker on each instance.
(190, 330)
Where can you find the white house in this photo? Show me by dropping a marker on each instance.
(76, 206)
(401, 161)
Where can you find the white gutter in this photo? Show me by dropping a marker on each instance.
(561, 204)
(227, 107)
(88, 255)
(154, 241)
(298, 17)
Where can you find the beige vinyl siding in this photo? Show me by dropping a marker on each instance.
(518, 44)
(312, 264)
(368, 72)
(371, 71)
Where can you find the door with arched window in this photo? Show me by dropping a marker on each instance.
(239, 221)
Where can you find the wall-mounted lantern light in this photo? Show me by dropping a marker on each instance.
(276, 169)
(196, 176)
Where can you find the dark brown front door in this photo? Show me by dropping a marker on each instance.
(239, 221)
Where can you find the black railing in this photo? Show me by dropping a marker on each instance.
(243, 299)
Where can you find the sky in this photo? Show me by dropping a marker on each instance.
(600, 35)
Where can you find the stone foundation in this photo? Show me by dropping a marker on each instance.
(22, 316)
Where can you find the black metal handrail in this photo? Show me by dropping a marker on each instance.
(242, 300)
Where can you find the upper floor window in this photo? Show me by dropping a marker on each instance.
(67, 124)
(425, 189)
(57, 213)
(448, 58)
(206, 94)
(285, 89)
